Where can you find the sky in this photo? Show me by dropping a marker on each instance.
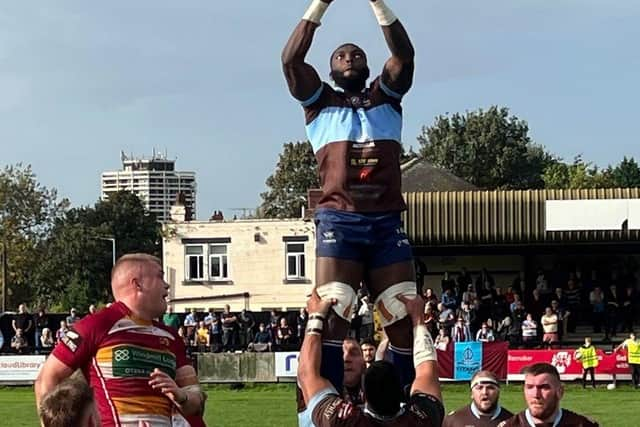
(80, 81)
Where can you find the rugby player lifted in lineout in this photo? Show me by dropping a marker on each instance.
(355, 131)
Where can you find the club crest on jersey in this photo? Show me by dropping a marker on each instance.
(164, 341)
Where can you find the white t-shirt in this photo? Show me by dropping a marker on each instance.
(550, 324)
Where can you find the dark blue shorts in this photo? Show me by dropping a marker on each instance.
(373, 239)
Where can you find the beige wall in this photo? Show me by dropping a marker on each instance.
(256, 267)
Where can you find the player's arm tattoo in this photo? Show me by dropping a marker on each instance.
(302, 78)
(397, 74)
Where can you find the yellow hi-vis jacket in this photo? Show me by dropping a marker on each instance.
(633, 351)
(589, 357)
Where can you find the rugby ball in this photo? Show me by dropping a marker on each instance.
(578, 355)
(611, 386)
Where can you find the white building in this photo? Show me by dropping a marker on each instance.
(255, 264)
(154, 180)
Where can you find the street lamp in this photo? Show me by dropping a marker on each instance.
(113, 247)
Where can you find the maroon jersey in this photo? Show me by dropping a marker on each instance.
(566, 418)
(470, 417)
(421, 411)
(117, 353)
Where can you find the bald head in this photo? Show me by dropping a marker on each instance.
(127, 268)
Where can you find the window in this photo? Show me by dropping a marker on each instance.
(218, 262)
(194, 261)
(295, 261)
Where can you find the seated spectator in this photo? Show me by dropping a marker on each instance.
(485, 334)
(261, 340)
(442, 340)
(61, 331)
(529, 330)
(19, 342)
(46, 340)
(70, 404)
(284, 333)
(202, 337)
(431, 319)
(460, 331)
(72, 317)
(549, 327)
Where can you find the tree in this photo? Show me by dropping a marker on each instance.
(486, 148)
(78, 261)
(28, 212)
(579, 174)
(296, 172)
(627, 174)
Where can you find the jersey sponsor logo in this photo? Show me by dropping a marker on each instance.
(363, 145)
(72, 340)
(340, 408)
(364, 162)
(328, 237)
(130, 361)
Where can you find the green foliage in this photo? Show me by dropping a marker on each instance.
(627, 173)
(296, 172)
(579, 174)
(28, 212)
(76, 269)
(489, 149)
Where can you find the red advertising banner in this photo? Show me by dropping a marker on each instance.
(568, 367)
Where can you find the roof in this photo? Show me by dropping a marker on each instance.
(420, 175)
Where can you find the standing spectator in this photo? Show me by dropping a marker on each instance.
(22, 321)
(216, 333)
(41, 321)
(549, 324)
(536, 305)
(485, 334)
(572, 295)
(518, 312)
(469, 294)
(442, 340)
(171, 319)
(191, 323)
(284, 334)
(529, 330)
(229, 329)
(46, 340)
(519, 283)
(500, 307)
(431, 319)
(447, 283)
(460, 331)
(510, 295)
(446, 318)
(274, 318)
(247, 325)
(563, 317)
(627, 309)
(463, 279)
(366, 315)
(72, 317)
(449, 299)
(430, 296)
(611, 312)
(209, 318)
(596, 299)
(61, 331)
(182, 333)
(19, 343)
(301, 323)
(485, 279)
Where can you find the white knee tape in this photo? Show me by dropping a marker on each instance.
(343, 294)
(390, 308)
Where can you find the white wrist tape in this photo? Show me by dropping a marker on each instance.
(423, 349)
(315, 324)
(384, 15)
(316, 11)
(344, 295)
(390, 308)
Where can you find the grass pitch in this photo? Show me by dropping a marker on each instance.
(274, 405)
